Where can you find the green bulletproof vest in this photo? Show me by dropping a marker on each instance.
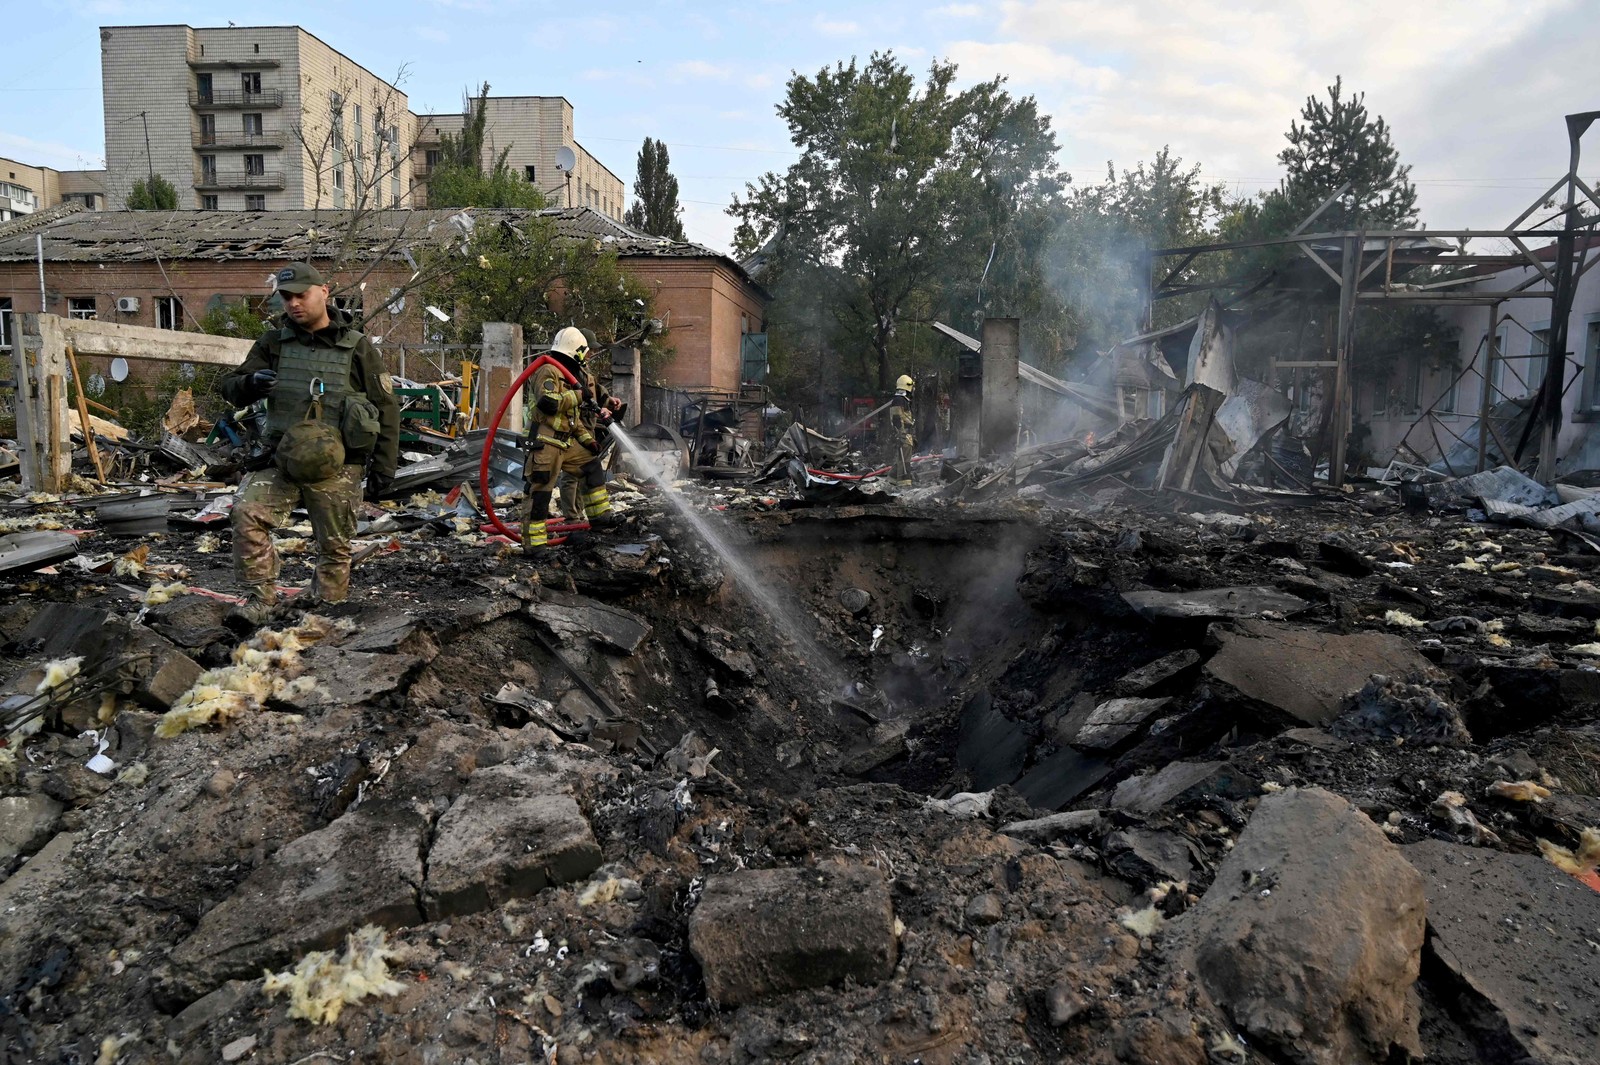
(299, 364)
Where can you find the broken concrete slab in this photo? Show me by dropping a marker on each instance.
(1152, 675)
(1304, 674)
(1515, 935)
(1214, 603)
(1045, 829)
(26, 824)
(1060, 778)
(191, 621)
(1503, 483)
(364, 868)
(1342, 556)
(1148, 856)
(393, 633)
(885, 743)
(989, 745)
(1310, 938)
(761, 932)
(161, 677)
(1115, 720)
(506, 837)
(571, 617)
(345, 677)
(1181, 783)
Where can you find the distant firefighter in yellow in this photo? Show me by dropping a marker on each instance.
(902, 423)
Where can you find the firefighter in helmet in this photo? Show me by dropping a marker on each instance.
(568, 407)
(901, 425)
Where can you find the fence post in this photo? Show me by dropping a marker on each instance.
(42, 431)
(500, 363)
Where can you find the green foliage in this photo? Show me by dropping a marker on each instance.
(231, 320)
(1340, 142)
(524, 273)
(156, 194)
(460, 179)
(909, 203)
(141, 403)
(656, 209)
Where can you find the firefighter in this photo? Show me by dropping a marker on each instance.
(901, 424)
(567, 406)
(331, 409)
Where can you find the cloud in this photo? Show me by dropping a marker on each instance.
(830, 28)
(959, 10)
(700, 69)
(1036, 64)
(53, 154)
(433, 33)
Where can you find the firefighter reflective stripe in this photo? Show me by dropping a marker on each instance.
(562, 444)
(535, 534)
(597, 501)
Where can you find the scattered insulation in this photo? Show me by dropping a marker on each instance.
(208, 543)
(111, 1048)
(133, 563)
(267, 666)
(1519, 791)
(1399, 619)
(1143, 923)
(157, 594)
(1579, 862)
(134, 775)
(1451, 808)
(322, 985)
(290, 545)
(600, 892)
(58, 672)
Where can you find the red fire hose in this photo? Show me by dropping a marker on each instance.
(494, 424)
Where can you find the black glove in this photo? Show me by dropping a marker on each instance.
(588, 443)
(378, 485)
(261, 382)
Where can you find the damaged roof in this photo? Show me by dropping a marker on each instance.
(72, 233)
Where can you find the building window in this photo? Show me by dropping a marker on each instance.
(255, 202)
(5, 323)
(208, 129)
(349, 303)
(208, 203)
(431, 158)
(530, 173)
(1497, 371)
(255, 164)
(1538, 350)
(82, 307)
(208, 170)
(169, 312)
(202, 87)
(1447, 402)
(338, 179)
(1591, 363)
(253, 124)
(257, 48)
(251, 81)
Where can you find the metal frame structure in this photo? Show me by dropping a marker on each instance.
(1363, 253)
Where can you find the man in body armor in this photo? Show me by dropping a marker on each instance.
(901, 425)
(569, 407)
(331, 409)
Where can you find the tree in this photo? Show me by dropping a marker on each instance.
(1340, 142)
(156, 194)
(656, 209)
(461, 180)
(877, 225)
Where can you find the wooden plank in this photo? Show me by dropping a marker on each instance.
(101, 427)
(85, 418)
(112, 340)
(50, 378)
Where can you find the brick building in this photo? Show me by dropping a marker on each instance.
(166, 269)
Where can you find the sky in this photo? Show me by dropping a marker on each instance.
(1474, 90)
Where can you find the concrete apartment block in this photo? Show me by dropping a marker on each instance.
(534, 128)
(244, 117)
(25, 189)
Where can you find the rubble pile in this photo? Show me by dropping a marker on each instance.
(1050, 777)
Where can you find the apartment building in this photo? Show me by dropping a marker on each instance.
(25, 189)
(532, 130)
(261, 118)
(251, 118)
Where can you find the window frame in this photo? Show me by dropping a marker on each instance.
(169, 312)
(90, 313)
(260, 203)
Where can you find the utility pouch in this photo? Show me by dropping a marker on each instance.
(310, 451)
(359, 424)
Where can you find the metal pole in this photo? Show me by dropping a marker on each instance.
(148, 162)
(1342, 354)
(1485, 399)
(38, 250)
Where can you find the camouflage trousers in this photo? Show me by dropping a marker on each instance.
(264, 503)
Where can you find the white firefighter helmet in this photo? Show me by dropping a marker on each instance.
(571, 341)
(905, 384)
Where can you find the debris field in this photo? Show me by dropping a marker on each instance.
(1038, 778)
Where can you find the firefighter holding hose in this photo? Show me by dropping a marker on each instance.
(901, 425)
(569, 409)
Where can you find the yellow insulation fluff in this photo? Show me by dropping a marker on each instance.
(266, 666)
(322, 985)
(1578, 862)
(1143, 923)
(208, 544)
(1519, 791)
(163, 593)
(58, 673)
(1399, 619)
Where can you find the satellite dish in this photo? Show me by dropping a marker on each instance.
(119, 369)
(566, 159)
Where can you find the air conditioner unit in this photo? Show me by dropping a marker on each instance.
(128, 304)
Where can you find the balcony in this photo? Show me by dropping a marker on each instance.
(255, 62)
(271, 138)
(226, 99)
(231, 180)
